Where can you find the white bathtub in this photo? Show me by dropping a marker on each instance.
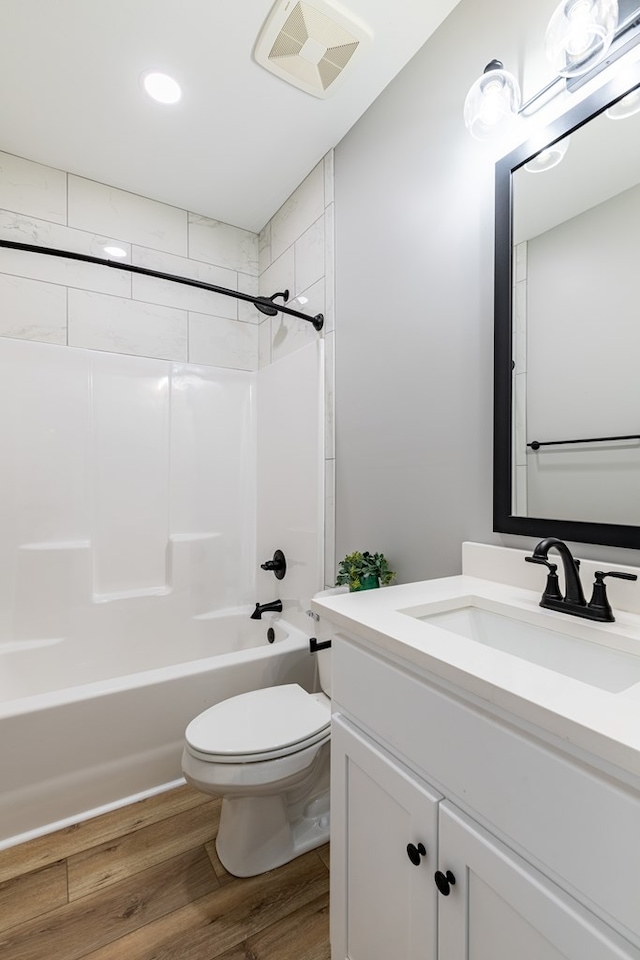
(86, 726)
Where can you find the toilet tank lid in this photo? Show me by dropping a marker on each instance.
(259, 721)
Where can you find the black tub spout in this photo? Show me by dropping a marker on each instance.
(275, 606)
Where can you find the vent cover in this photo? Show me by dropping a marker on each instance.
(310, 44)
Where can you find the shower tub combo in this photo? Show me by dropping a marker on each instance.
(90, 726)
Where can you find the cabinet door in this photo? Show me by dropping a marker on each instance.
(500, 907)
(383, 906)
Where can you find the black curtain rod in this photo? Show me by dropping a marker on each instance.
(265, 304)
(536, 444)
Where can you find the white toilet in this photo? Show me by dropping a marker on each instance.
(266, 753)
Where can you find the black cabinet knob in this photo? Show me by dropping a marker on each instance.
(444, 882)
(414, 853)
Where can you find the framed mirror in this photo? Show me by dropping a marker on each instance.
(567, 325)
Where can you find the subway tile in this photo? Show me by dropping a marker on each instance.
(99, 208)
(290, 334)
(264, 248)
(32, 310)
(68, 273)
(168, 294)
(246, 311)
(26, 229)
(309, 256)
(329, 267)
(220, 342)
(299, 212)
(126, 326)
(184, 267)
(222, 244)
(32, 188)
(279, 276)
(329, 396)
(329, 178)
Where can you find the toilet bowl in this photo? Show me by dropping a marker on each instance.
(266, 753)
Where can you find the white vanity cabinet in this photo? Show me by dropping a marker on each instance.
(543, 852)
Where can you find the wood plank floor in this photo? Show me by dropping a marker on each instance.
(145, 883)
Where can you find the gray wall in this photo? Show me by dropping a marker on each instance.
(414, 302)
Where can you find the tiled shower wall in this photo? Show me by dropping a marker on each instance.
(187, 332)
(297, 254)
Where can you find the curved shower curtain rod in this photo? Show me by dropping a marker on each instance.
(266, 305)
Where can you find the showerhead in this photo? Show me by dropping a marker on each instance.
(264, 303)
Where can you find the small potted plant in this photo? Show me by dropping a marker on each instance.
(364, 571)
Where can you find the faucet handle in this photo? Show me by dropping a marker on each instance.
(552, 588)
(619, 575)
(547, 563)
(599, 600)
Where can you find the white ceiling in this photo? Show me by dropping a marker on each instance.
(240, 140)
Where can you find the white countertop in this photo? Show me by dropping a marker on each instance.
(606, 725)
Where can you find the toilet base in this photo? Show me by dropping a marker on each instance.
(256, 834)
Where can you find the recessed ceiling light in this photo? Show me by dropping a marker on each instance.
(115, 252)
(161, 87)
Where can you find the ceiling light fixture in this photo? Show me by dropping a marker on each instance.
(492, 102)
(161, 87)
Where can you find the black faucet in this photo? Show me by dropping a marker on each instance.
(574, 601)
(275, 606)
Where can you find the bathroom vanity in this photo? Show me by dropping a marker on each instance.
(485, 771)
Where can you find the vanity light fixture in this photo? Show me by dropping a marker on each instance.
(492, 102)
(578, 36)
(548, 158)
(161, 87)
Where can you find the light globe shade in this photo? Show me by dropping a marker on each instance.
(626, 107)
(549, 157)
(492, 102)
(579, 34)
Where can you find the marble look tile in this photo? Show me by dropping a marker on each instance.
(264, 343)
(329, 396)
(222, 244)
(32, 188)
(26, 229)
(279, 276)
(310, 301)
(70, 273)
(126, 326)
(329, 178)
(98, 208)
(219, 342)
(181, 296)
(246, 311)
(32, 310)
(289, 334)
(520, 327)
(309, 256)
(329, 523)
(520, 262)
(264, 248)
(296, 215)
(520, 420)
(521, 506)
(329, 268)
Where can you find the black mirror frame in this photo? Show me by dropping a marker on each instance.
(504, 521)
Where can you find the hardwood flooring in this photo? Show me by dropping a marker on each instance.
(145, 883)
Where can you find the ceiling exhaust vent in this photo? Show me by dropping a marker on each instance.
(310, 44)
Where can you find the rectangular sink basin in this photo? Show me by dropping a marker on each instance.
(547, 646)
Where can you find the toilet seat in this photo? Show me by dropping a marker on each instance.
(260, 725)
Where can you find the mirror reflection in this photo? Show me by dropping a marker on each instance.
(576, 325)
